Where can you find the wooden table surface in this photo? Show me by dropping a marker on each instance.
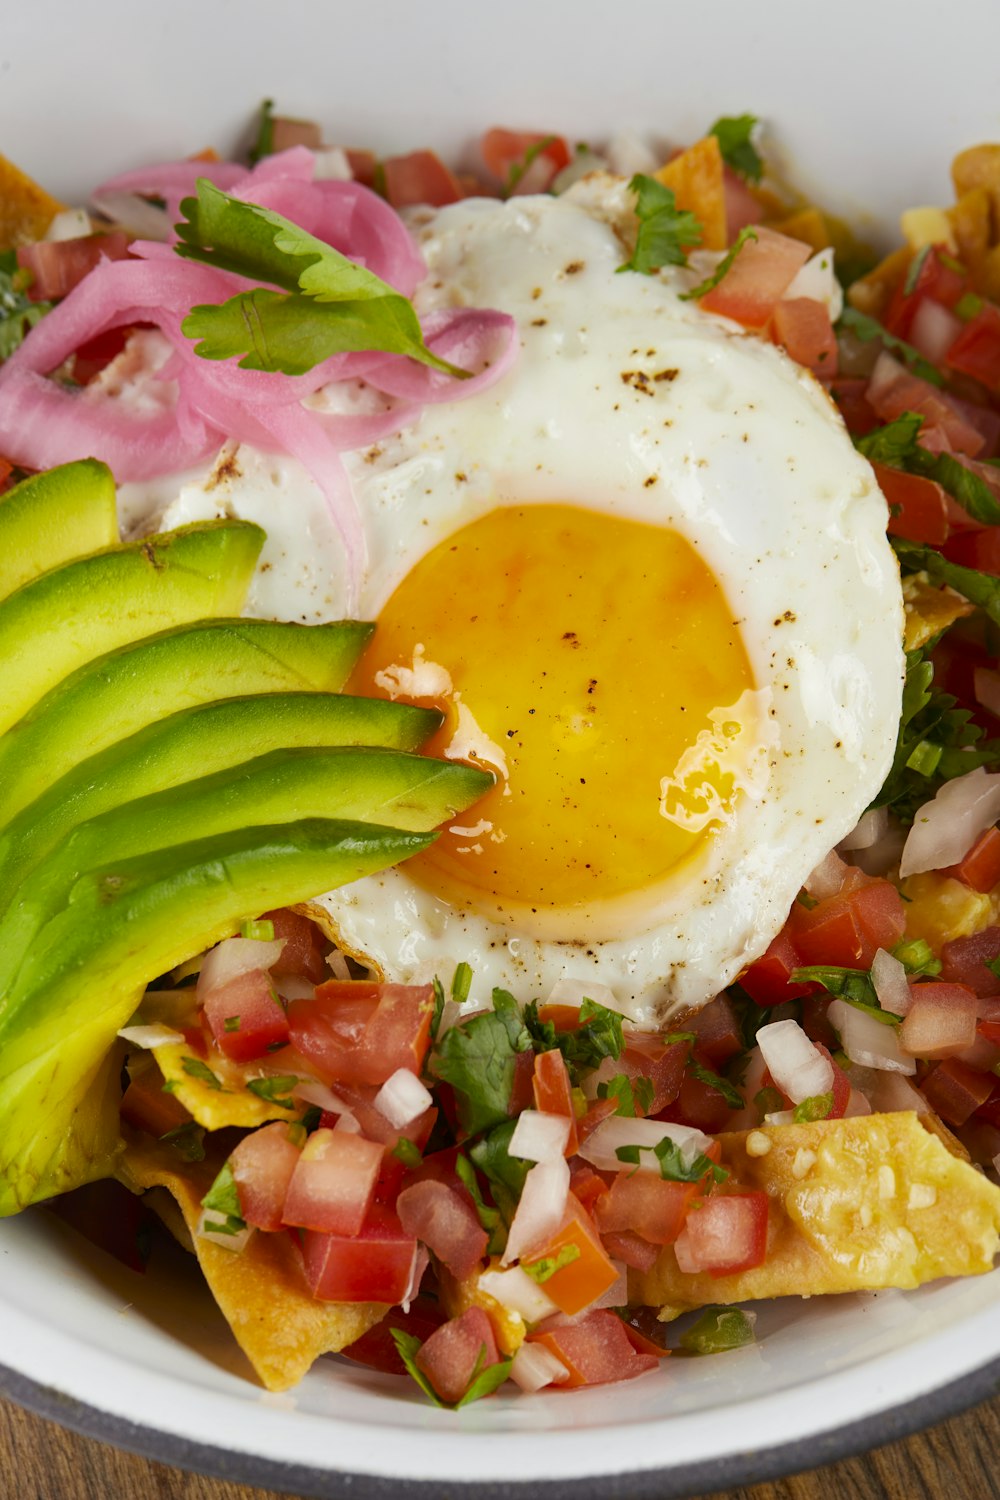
(955, 1461)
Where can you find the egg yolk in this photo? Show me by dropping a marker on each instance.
(593, 663)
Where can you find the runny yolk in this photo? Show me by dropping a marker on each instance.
(594, 664)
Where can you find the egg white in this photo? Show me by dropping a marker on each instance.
(742, 453)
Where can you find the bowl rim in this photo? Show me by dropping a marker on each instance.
(750, 1466)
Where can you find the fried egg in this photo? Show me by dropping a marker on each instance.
(645, 576)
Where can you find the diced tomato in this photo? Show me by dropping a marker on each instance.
(246, 1017)
(841, 1086)
(595, 1350)
(362, 165)
(846, 930)
(597, 1112)
(97, 353)
(849, 392)
(918, 507)
(582, 1280)
(990, 1109)
(623, 1245)
(358, 1032)
(419, 177)
(768, 979)
(700, 1105)
(645, 1332)
(504, 149)
(263, 1164)
(562, 1017)
(375, 1265)
(742, 203)
(976, 351)
(647, 1057)
(803, 327)
(816, 1024)
(757, 278)
(305, 946)
(522, 1093)
(976, 549)
(643, 1203)
(727, 1235)
(332, 1186)
(964, 960)
(434, 1213)
(456, 1351)
(936, 279)
(57, 266)
(717, 1030)
(377, 1348)
(955, 1091)
(286, 133)
(587, 1185)
(393, 1170)
(980, 868)
(893, 390)
(146, 1106)
(554, 1093)
(941, 1020)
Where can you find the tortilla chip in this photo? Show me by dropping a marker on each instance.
(26, 210)
(261, 1291)
(855, 1205)
(225, 1102)
(929, 610)
(696, 178)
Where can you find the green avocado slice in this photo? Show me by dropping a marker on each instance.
(197, 742)
(51, 518)
(66, 617)
(124, 924)
(113, 696)
(387, 787)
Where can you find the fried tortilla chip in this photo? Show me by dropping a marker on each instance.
(261, 1291)
(855, 1205)
(929, 610)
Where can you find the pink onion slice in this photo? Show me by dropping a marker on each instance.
(945, 829)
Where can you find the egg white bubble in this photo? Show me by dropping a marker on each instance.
(627, 400)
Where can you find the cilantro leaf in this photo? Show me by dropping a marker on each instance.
(477, 1058)
(768, 1101)
(817, 1107)
(438, 1008)
(195, 1068)
(222, 1205)
(264, 144)
(599, 1035)
(665, 231)
(673, 1167)
(722, 1086)
(489, 1218)
(461, 983)
(734, 134)
(704, 287)
(893, 444)
(627, 1092)
(917, 957)
(518, 168)
(852, 985)
(897, 444)
(18, 314)
(544, 1269)
(867, 328)
(483, 1383)
(407, 1152)
(504, 1172)
(276, 1089)
(188, 1139)
(978, 588)
(718, 1330)
(328, 304)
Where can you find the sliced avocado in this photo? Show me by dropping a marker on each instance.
(124, 924)
(118, 694)
(49, 519)
(366, 785)
(197, 742)
(66, 617)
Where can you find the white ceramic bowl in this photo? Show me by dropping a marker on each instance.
(866, 104)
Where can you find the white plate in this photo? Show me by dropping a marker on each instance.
(867, 105)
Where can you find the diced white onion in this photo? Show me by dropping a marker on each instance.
(421, 1260)
(541, 1209)
(606, 1069)
(151, 1036)
(339, 967)
(616, 1294)
(893, 1092)
(870, 827)
(934, 329)
(235, 957)
(798, 1068)
(535, 1366)
(857, 1105)
(780, 1117)
(539, 1136)
(70, 224)
(601, 1147)
(884, 855)
(208, 1229)
(135, 215)
(311, 1091)
(827, 878)
(628, 153)
(817, 280)
(945, 829)
(291, 987)
(891, 984)
(331, 165)
(402, 1098)
(575, 991)
(519, 1293)
(867, 1041)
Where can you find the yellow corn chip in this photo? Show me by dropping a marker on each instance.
(697, 183)
(929, 610)
(26, 210)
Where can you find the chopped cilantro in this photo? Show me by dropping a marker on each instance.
(504, 1172)
(898, 444)
(704, 287)
(734, 134)
(993, 964)
(673, 1168)
(188, 1139)
(222, 1202)
(718, 1330)
(261, 932)
(483, 1383)
(722, 1086)
(665, 232)
(599, 1035)
(276, 1089)
(913, 273)
(968, 306)
(18, 313)
(195, 1068)
(405, 1151)
(894, 443)
(231, 1023)
(327, 304)
(978, 588)
(866, 328)
(519, 167)
(817, 1107)
(489, 1218)
(461, 983)
(544, 1269)
(768, 1101)
(917, 957)
(439, 1000)
(477, 1057)
(264, 144)
(627, 1092)
(852, 985)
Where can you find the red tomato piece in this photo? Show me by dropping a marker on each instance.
(376, 1265)
(963, 961)
(377, 1348)
(598, 1111)
(419, 177)
(980, 868)
(504, 149)
(955, 1091)
(333, 1184)
(522, 1092)
(849, 394)
(768, 979)
(579, 1283)
(246, 1018)
(147, 1106)
(643, 1203)
(362, 165)
(717, 1030)
(941, 1020)
(263, 1165)
(976, 351)
(647, 1057)
(936, 279)
(554, 1093)
(586, 1185)
(623, 1245)
(596, 1350)
(457, 1351)
(446, 1223)
(846, 930)
(57, 266)
(305, 946)
(841, 1086)
(758, 277)
(358, 1032)
(893, 390)
(976, 549)
(802, 326)
(742, 203)
(645, 1332)
(727, 1234)
(563, 1017)
(700, 1105)
(97, 353)
(918, 507)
